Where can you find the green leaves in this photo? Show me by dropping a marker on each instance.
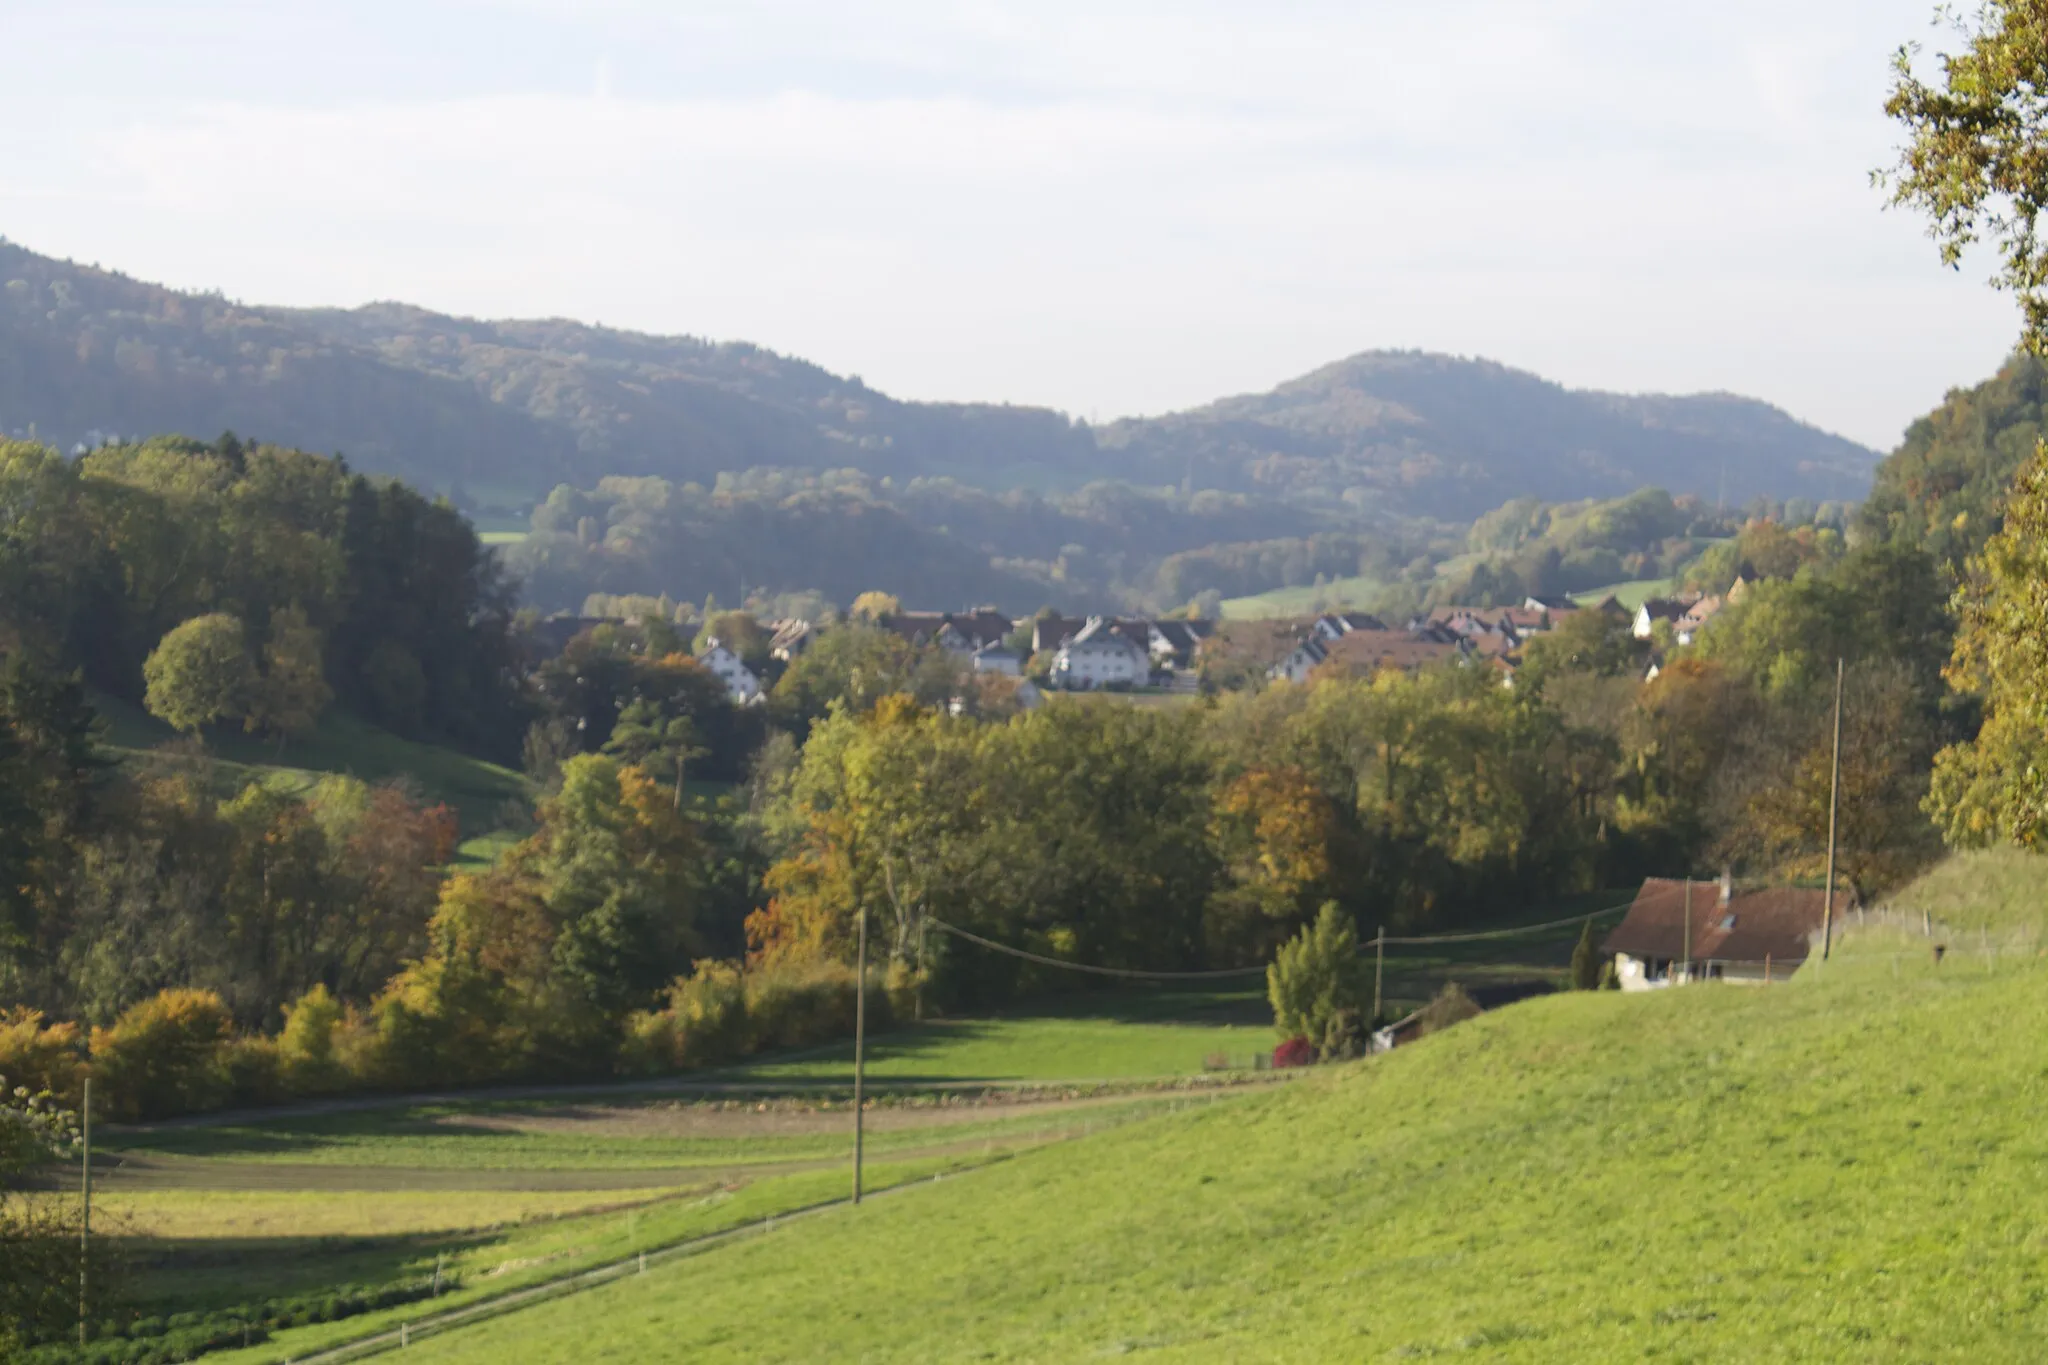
(1994, 788)
(200, 673)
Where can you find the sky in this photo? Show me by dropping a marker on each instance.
(1112, 207)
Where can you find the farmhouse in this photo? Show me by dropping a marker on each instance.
(1684, 931)
(1099, 655)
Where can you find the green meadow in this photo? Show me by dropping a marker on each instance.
(476, 790)
(1631, 594)
(1844, 1167)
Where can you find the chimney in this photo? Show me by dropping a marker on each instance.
(1727, 886)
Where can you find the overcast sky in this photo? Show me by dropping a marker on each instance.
(1108, 206)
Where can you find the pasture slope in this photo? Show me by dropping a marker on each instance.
(1845, 1168)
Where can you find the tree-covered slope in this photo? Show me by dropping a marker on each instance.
(1450, 435)
(1842, 1168)
(1944, 488)
(506, 410)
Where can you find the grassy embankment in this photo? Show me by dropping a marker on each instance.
(1846, 1167)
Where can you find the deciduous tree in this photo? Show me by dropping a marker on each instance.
(200, 673)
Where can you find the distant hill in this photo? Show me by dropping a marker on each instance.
(503, 411)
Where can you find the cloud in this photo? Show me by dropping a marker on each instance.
(1105, 207)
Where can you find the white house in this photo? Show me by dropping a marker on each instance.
(1098, 655)
(1304, 660)
(1335, 625)
(740, 683)
(998, 658)
(1657, 609)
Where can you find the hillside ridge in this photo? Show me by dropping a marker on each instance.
(503, 410)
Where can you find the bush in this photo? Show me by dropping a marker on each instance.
(42, 1057)
(1586, 961)
(1451, 1006)
(249, 1064)
(307, 1059)
(721, 1013)
(1317, 984)
(164, 1056)
(1294, 1052)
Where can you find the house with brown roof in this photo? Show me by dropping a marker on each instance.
(960, 632)
(1696, 617)
(1655, 609)
(1367, 652)
(1680, 931)
(1335, 625)
(1048, 633)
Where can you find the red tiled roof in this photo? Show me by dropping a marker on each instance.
(1778, 922)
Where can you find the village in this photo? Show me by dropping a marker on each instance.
(1107, 653)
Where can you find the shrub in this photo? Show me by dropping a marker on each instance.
(307, 1059)
(721, 1013)
(1317, 984)
(249, 1065)
(1586, 961)
(1294, 1052)
(164, 1056)
(42, 1057)
(1451, 1006)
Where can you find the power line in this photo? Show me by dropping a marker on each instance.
(1511, 933)
(1129, 972)
(1132, 973)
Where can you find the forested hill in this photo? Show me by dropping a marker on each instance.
(506, 410)
(1944, 488)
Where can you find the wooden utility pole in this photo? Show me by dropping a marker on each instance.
(860, 1039)
(1827, 902)
(85, 1208)
(1687, 959)
(1379, 968)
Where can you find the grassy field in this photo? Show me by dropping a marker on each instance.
(1092, 1037)
(1335, 595)
(476, 790)
(1845, 1167)
(1631, 594)
(232, 1213)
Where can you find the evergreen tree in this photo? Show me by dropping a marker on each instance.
(1586, 961)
